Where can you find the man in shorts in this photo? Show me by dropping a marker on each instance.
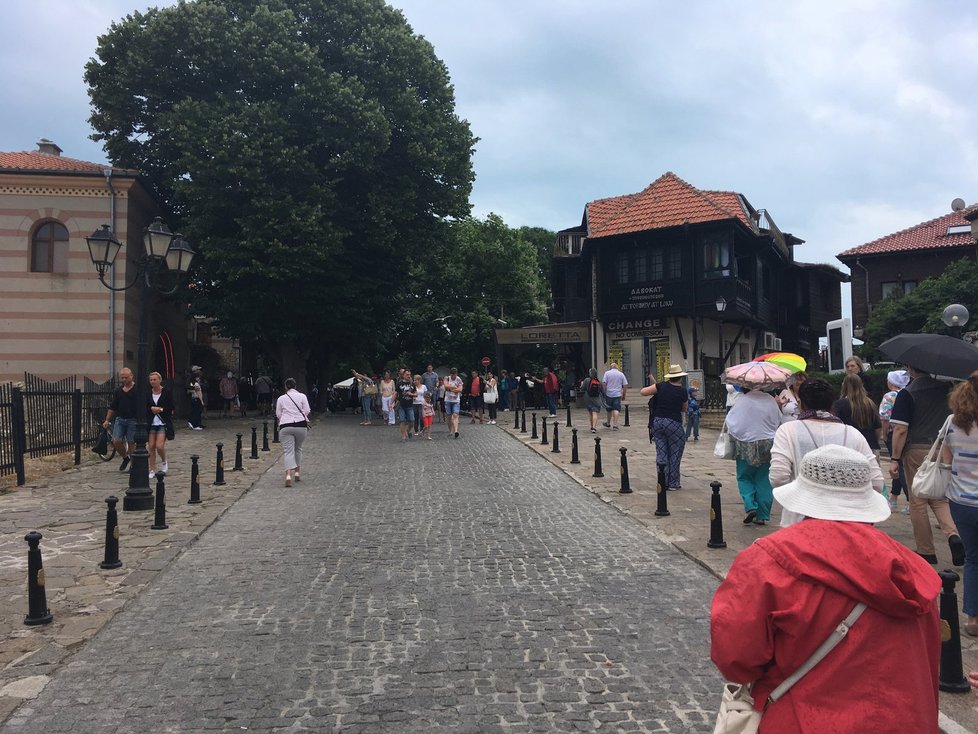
(123, 409)
(615, 385)
(453, 398)
(405, 407)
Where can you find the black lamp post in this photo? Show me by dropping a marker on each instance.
(166, 257)
(955, 316)
(721, 304)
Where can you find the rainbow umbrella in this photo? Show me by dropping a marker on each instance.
(755, 375)
(786, 360)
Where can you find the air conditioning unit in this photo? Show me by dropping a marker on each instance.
(769, 339)
(777, 344)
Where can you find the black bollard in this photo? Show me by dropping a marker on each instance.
(597, 457)
(534, 434)
(661, 505)
(159, 518)
(254, 442)
(556, 442)
(575, 459)
(716, 519)
(275, 429)
(626, 417)
(37, 601)
(523, 422)
(626, 487)
(951, 678)
(568, 417)
(194, 481)
(264, 436)
(543, 439)
(238, 465)
(516, 420)
(111, 559)
(219, 468)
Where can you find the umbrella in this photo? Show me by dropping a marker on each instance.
(345, 384)
(934, 353)
(787, 360)
(755, 375)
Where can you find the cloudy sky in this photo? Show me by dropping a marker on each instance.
(845, 119)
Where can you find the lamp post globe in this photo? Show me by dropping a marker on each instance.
(955, 316)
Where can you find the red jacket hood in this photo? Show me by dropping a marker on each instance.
(857, 560)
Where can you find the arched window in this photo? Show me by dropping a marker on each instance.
(49, 248)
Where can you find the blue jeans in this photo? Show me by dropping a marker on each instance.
(124, 428)
(693, 425)
(552, 402)
(755, 488)
(366, 406)
(966, 519)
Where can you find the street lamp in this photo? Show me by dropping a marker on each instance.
(721, 304)
(955, 316)
(166, 257)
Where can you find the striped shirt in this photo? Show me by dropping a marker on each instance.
(964, 465)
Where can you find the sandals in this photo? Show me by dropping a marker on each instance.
(297, 477)
(288, 480)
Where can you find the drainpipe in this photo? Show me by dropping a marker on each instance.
(866, 289)
(107, 172)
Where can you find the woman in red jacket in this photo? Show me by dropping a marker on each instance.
(787, 592)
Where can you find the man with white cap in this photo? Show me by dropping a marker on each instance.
(896, 380)
(786, 593)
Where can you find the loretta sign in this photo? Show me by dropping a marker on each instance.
(571, 333)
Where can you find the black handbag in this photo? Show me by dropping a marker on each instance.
(101, 446)
(168, 429)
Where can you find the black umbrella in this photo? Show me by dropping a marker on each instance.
(934, 353)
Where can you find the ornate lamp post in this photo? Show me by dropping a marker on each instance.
(165, 259)
(955, 316)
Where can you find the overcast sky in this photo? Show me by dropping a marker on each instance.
(845, 119)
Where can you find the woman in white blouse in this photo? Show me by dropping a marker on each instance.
(292, 411)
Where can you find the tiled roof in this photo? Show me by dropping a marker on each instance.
(33, 160)
(930, 235)
(666, 202)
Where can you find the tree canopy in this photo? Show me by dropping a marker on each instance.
(921, 309)
(309, 150)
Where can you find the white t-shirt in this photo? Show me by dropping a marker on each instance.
(614, 380)
(453, 397)
(419, 397)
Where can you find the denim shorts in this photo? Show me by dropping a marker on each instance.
(613, 403)
(451, 408)
(405, 413)
(124, 428)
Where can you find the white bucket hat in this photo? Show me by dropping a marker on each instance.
(834, 483)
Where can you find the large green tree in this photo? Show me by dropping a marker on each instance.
(481, 275)
(921, 309)
(309, 149)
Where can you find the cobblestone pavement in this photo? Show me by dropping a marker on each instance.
(462, 586)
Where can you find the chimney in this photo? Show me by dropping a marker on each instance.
(47, 147)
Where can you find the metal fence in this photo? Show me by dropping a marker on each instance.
(44, 418)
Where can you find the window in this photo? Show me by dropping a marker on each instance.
(716, 256)
(640, 271)
(49, 248)
(658, 258)
(959, 229)
(674, 267)
(901, 287)
(622, 268)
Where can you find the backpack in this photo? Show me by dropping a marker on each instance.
(593, 388)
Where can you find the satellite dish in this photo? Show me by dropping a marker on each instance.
(957, 205)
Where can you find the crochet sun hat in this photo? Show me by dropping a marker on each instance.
(834, 483)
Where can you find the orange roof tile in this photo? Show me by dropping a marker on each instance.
(930, 235)
(666, 202)
(32, 160)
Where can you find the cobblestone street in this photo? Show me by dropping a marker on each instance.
(463, 586)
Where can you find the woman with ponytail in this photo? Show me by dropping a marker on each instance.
(961, 452)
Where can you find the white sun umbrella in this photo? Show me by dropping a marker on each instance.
(345, 384)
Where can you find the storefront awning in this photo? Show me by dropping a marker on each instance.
(575, 332)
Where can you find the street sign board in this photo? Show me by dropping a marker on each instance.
(486, 361)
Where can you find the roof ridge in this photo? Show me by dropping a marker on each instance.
(898, 239)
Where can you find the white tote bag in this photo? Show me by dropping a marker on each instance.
(724, 448)
(933, 478)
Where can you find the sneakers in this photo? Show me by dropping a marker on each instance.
(198, 428)
(164, 468)
(191, 426)
(152, 474)
(606, 425)
(751, 514)
(124, 465)
(456, 434)
(905, 510)
(957, 550)
(614, 428)
(931, 558)
(594, 430)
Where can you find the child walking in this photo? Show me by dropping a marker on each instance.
(693, 415)
(427, 415)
